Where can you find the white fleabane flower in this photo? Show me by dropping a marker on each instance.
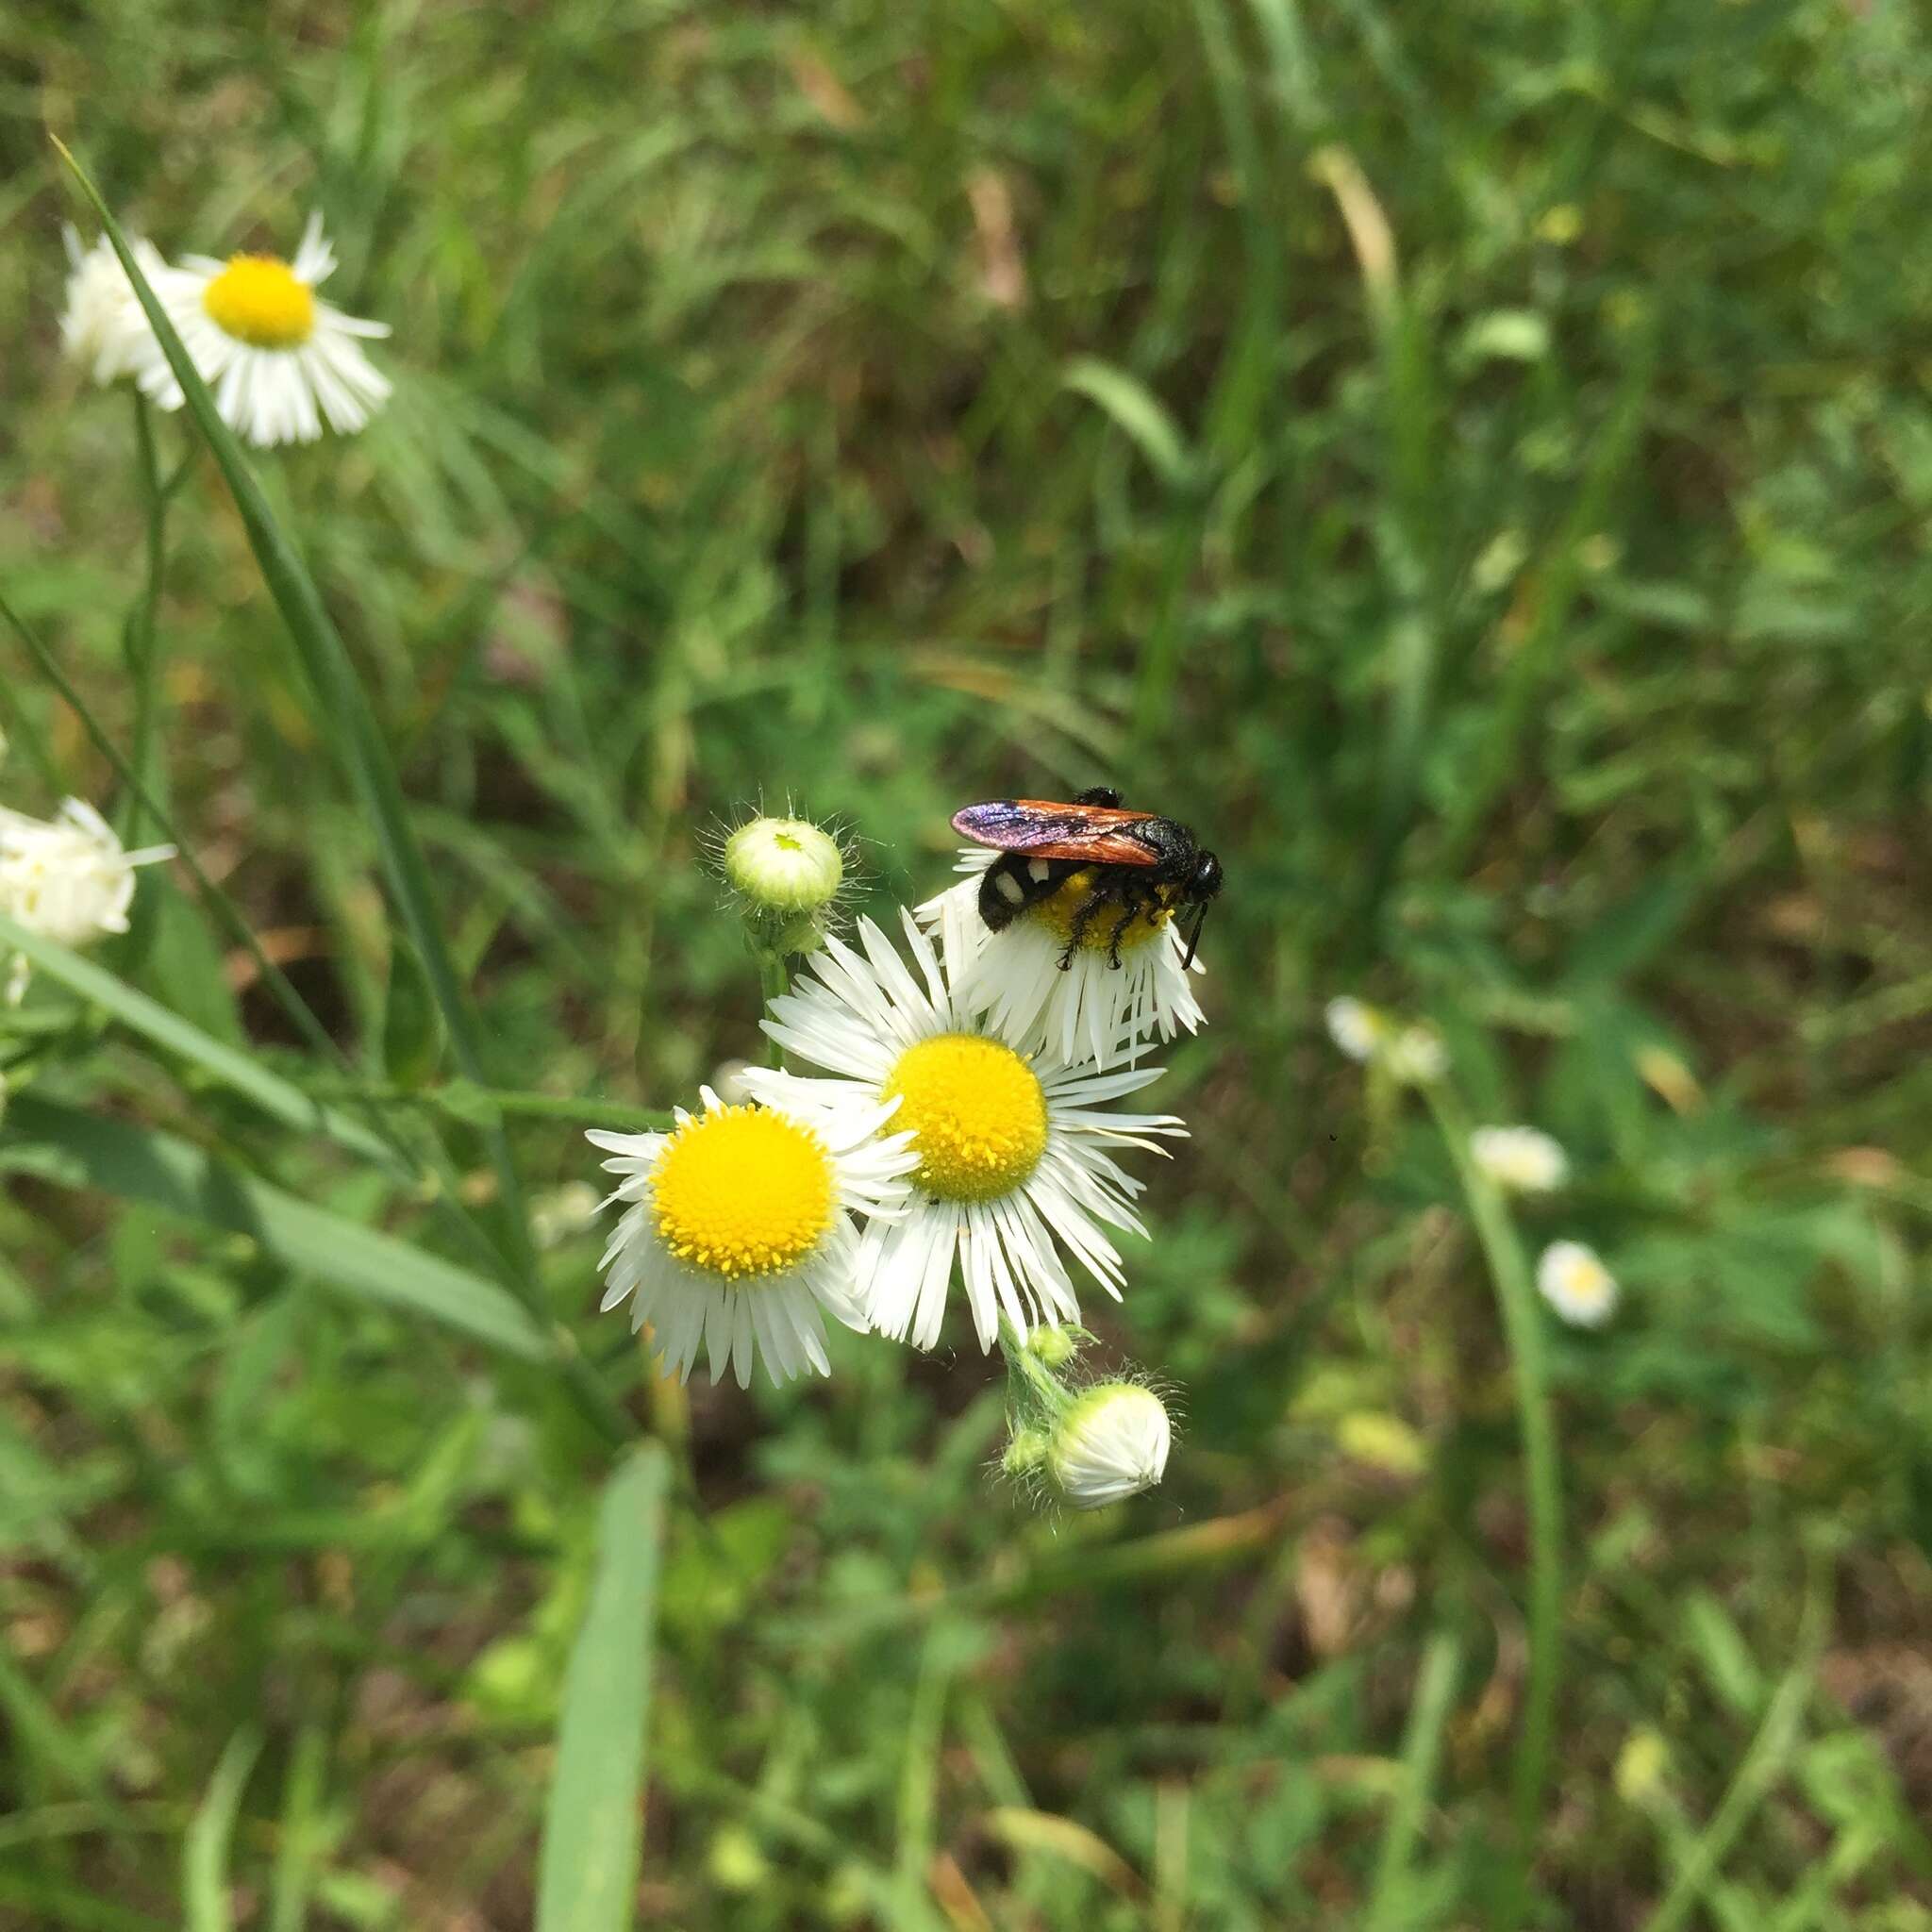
(1413, 1054)
(103, 325)
(68, 879)
(1112, 1442)
(1357, 1027)
(1524, 1161)
(737, 1234)
(1015, 1150)
(279, 360)
(1094, 1011)
(1576, 1284)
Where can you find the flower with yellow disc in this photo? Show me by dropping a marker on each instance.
(737, 1234)
(1014, 1149)
(1088, 1009)
(279, 360)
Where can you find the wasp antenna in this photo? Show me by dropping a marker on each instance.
(1194, 939)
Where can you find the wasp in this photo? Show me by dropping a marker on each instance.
(1140, 866)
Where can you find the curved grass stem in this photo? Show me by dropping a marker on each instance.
(1543, 1479)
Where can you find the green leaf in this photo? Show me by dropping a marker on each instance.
(187, 970)
(205, 1855)
(73, 1149)
(232, 1067)
(587, 1879)
(1136, 408)
(412, 1025)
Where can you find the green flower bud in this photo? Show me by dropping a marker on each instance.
(786, 867)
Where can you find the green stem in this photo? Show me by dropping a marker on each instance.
(1522, 1327)
(774, 982)
(139, 643)
(1020, 1360)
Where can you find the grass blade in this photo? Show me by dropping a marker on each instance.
(1422, 1745)
(205, 1855)
(168, 1031)
(587, 1880)
(75, 1149)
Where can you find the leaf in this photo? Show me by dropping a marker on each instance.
(412, 1026)
(205, 1855)
(586, 1876)
(73, 1149)
(232, 1067)
(1138, 411)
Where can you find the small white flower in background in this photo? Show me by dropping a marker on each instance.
(1092, 1011)
(564, 1213)
(1015, 1151)
(1525, 1160)
(727, 1082)
(103, 325)
(1357, 1027)
(1576, 1284)
(1413, 1054)
(279, 360)
(67, 879)
(1112, 1442)
(737, 1234)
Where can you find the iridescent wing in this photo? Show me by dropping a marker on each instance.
(1041, 828)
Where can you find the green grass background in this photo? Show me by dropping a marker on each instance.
(1470, 462)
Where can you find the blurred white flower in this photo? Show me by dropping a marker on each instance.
(737, 1234)
(280, 362)
(1416, 1055)
(1357, 1027)
(1015, 1150)
(563, 1212)
(727, 1081)
(1576, 1284)
(66, 879)
(103, 325)
(1112, 1442)
(1524, 1161)
(1090, 1010)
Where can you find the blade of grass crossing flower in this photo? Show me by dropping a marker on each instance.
(73, 1149)
(344, 714)
(205, 1885)
(1543, 1479)
(1422, 1747)
(593, 1822)
(154, 1022)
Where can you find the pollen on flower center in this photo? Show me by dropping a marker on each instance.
(259, 299)
(977, 1115)
(1059, 912)
(743, 1192)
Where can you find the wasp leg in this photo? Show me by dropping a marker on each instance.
(1135, 906)
(1077, 933)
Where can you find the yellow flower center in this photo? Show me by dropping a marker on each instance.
(976, 1113)
(743, 1192)
(258, 299)
(1057, 913)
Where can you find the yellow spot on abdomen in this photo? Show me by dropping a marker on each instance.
(258, 299)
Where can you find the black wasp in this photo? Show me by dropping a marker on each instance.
(1141, 864)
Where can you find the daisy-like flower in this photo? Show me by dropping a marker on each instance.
(1413, 1054)
(1576, 1284)
(103, 325)
(1522, 1160)
(736, 1233)
(1095, 1011)
(280, 360)
(1014, 1149)
(68, 879)
(1112, 1443)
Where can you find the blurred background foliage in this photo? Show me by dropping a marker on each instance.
(1470, 462)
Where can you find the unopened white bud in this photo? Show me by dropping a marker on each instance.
(1110, 1443)
(784, 866)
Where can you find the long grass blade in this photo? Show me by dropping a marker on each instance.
(75, 1149)
(592, 1825)
(205, 1854)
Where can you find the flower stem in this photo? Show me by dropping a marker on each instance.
(139, 639)
(775, 982)
(1521, 1326)
(1040, 1382)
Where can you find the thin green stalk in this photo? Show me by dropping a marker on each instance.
(140, 637)
(1421, 1746)
(774, 981)
(1523, 1328)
